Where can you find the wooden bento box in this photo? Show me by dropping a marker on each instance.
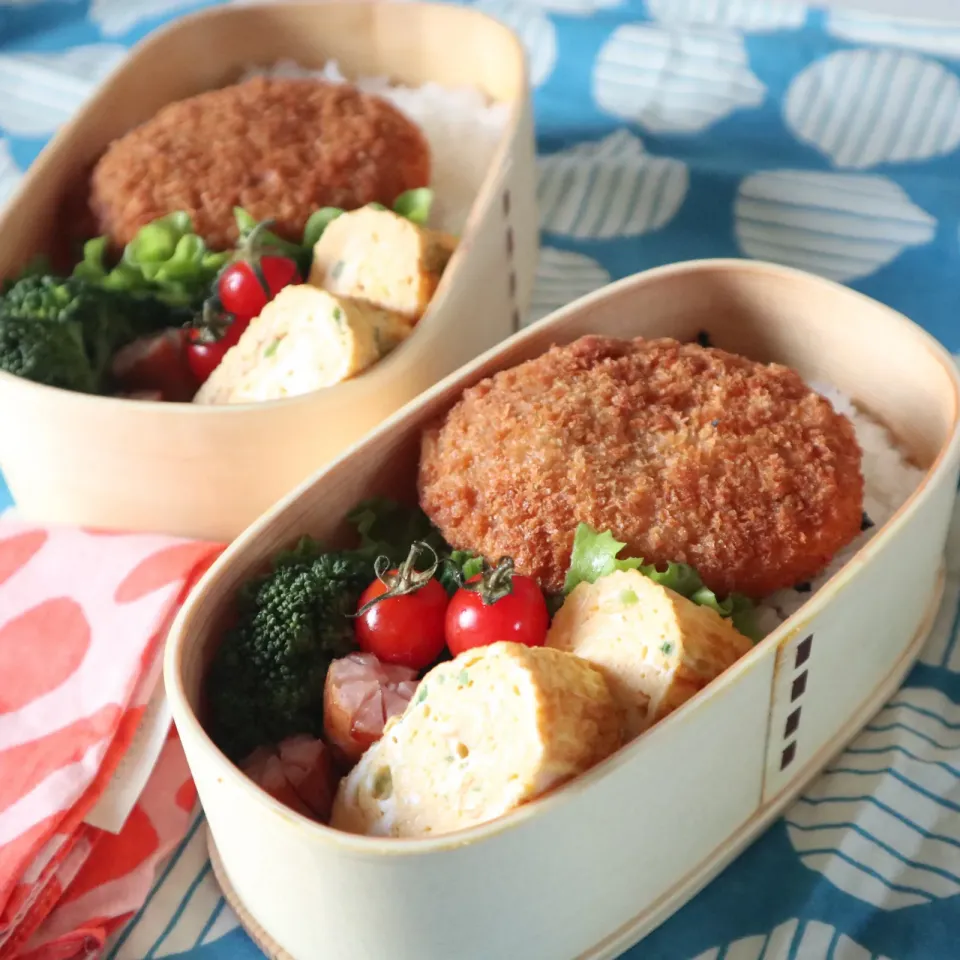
(594, 866)
(208, 472)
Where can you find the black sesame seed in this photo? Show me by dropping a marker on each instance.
(703, 338)
(804, 587)
(714, 423)
(866, 523)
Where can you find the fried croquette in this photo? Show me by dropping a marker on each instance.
(687, 454)
(279, 148)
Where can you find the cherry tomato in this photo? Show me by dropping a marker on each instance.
(519, 617)
(204, 356)
(241, 291)
(408, 629)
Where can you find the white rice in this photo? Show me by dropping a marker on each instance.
(462, 128)
(889, 480)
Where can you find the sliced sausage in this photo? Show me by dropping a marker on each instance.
(155, 363)
(360, 696)
(299, 772)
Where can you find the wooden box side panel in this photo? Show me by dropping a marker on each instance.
(836, 656)
(574, 869)
(524, 213)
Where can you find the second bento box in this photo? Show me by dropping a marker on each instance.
(398, 293)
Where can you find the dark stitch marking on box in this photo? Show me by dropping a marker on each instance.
(797, 690)
(793, 721)
(512, 273)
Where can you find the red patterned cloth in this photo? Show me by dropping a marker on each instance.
(82, 619)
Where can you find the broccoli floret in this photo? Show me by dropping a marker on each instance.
(106, 320)
(266, 680)
(48, 353)
(41, 298)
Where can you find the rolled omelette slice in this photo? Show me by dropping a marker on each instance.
(655, 647)
(383, 258)
(488, 731)
(303, 340)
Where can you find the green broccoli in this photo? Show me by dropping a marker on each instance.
(266, 681)
(48, 353)
(106, 320)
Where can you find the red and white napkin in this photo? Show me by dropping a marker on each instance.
(83, 617)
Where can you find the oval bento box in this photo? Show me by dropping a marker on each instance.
(594, 866)
(210, 471)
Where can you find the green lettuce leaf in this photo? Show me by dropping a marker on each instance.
(679, 577)
(457, 567)
(388, 528)
(415, 205)
(594, 556)
(318, 222)
(470, 563)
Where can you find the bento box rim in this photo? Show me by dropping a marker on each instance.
(227, 772)
(485, 198)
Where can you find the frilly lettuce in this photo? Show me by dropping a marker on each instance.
(595, 555)
(165, 259)
(387, 528)
(168, 260)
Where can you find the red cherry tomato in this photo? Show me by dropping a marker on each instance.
(241, 291)
(204, 356)
(408, 630)
(519, 617)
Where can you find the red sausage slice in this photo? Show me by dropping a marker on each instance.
(299, 773)
(155, 363)
(360, 696)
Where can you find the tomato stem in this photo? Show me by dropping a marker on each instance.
(407, 578)
(495, 582)
(251, 250)
(213, 323)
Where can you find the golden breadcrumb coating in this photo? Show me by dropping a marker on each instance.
(688, 454)
(279, 148)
